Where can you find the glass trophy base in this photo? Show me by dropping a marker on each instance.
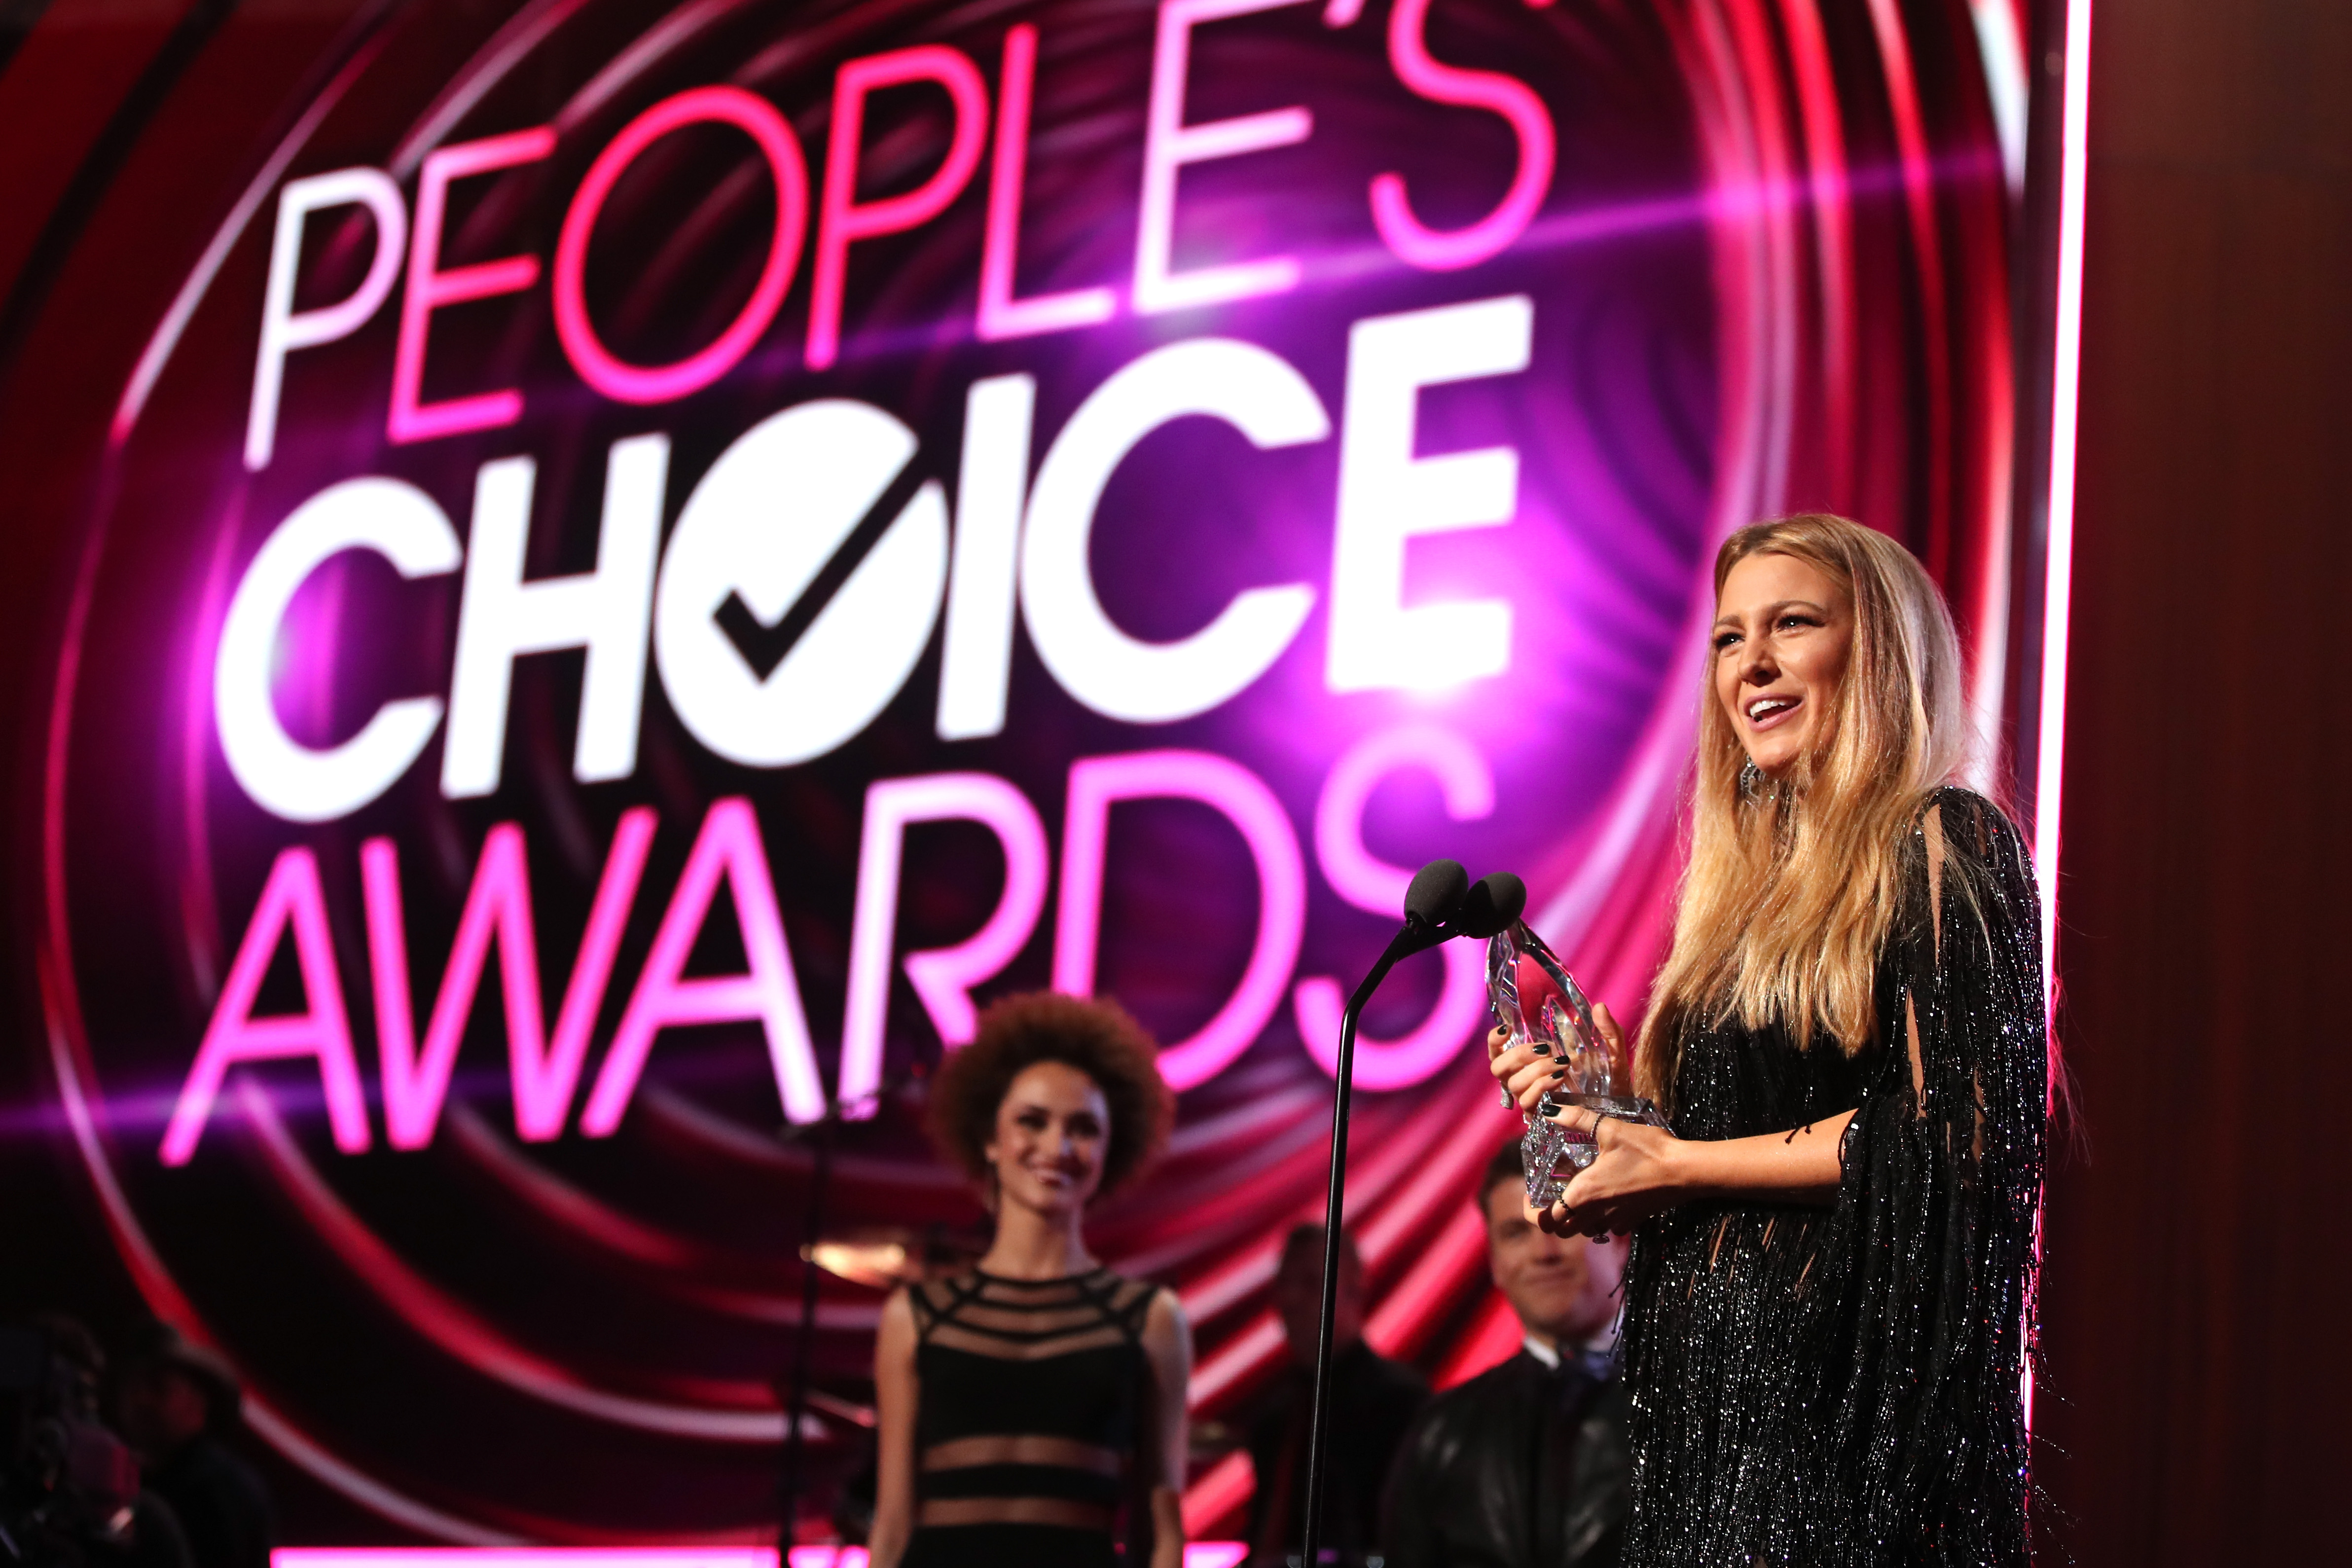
(1552, 1154)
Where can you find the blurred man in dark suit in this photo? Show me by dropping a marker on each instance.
(176, 1400)
(1525, 1466)
(1373, 1400)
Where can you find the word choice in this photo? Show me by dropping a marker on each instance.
(775, 507)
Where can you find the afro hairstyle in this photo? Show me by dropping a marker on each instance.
(1097, 1037)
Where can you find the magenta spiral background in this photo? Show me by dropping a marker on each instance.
(1770, 273)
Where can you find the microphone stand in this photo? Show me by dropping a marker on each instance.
(820, 1135)
(1417, 937)
(797, 1414)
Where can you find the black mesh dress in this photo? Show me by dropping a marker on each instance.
(1841, 1386)
(1032, 1423)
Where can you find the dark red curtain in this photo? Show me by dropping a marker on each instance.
(2199, 1368)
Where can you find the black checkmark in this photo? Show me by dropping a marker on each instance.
(763, 645)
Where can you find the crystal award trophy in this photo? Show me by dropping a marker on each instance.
(1536, 999)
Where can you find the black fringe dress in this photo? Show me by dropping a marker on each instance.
(1832, 1386)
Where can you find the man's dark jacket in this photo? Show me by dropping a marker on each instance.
(1522, 1466)
(1373, 1400)
(222, 1504)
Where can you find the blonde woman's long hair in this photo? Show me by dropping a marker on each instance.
(1791, 889)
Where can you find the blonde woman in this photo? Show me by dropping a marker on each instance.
(1828, 1305)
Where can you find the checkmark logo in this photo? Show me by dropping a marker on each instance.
(763, 645)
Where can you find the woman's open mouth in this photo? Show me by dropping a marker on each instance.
(1764, 712)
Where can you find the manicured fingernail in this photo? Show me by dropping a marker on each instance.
(1559, 1072)
(1543, 1050)
(1553, 1111)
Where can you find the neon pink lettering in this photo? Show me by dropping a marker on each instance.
(429, 289)
(728, 848)
(283, 329)
(841, 218)
(942, 977)
(497, 906)
(543, 1097)
(1168, 145)
(637, 384)
(1000, 315)
(1444, 250)
(1095, 784)
(1317, 1002)
(292, 898)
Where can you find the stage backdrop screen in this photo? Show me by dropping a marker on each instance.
(657, 560)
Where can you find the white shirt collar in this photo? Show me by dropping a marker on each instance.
(1599, 1344)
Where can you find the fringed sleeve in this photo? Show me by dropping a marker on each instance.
(1937, 1213)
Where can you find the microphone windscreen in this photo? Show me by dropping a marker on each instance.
(1493, 903)
(1437, 891)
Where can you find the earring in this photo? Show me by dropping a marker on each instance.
(1751, 780)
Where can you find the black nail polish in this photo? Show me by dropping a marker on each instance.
(1554, 1111)
(1543, 1050)
(1559, 1072)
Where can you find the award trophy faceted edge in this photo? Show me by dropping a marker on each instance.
(1536, 999)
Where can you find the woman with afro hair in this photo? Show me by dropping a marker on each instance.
(1026, 1405)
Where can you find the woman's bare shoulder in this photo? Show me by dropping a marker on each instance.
(1164, 1323)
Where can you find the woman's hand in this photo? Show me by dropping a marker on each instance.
(1525, 1070)
(1637, 1172)
(1528, 1069)
(1640, 1171)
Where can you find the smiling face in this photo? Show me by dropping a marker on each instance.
(1052, 1128)
(1784, 632)
(1562, 1287)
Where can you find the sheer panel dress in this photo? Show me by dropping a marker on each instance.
(1841, 1386)
(1032, 1421)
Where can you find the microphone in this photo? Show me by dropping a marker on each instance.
(1488, 908)
(1436, 893)
(1441, 903)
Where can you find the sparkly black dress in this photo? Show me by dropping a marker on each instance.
(1832, 1386)
(1033, 1421)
